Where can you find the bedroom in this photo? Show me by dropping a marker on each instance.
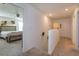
(11, 27)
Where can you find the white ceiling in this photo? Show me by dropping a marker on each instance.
(56, 9)
(9, 10)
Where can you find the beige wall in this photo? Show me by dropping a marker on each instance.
(66, 28)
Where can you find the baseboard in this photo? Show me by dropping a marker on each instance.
(76, 49)
(25, 50)
(65, 37)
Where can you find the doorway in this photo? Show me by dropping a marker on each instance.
(11, 24)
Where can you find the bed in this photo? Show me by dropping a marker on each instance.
(12, 36)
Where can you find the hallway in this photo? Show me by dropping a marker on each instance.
(65, 48)
(35, 31)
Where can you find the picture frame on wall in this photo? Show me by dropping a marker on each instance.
(13, 22)
(5, 22)
(60, 26)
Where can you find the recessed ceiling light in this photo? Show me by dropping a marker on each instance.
(50, 14)
(66, 9)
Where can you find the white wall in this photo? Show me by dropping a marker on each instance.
(78, 28)
(7, 10)
(10, 10)
(53, 40)
(34, 24)
(19, 22)
(66, 30)
(75, 36)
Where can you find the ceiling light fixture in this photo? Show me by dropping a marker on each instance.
(66, 9)
(17, 15)
(50, 14)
